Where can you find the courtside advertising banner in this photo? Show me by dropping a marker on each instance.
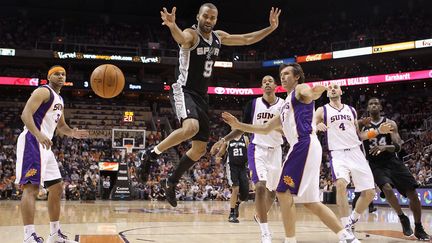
(277, 62)
(19, 81)
(314, 57)
(423, 43)
(375, 79)
(424, 195)
(394, 47)
(353, 52)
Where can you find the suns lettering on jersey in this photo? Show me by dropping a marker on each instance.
(264, 115)
(58, 107)
(340, 117)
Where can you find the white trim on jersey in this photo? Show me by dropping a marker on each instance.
(228, 172)
(177, 87)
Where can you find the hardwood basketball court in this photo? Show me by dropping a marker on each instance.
(191, 222)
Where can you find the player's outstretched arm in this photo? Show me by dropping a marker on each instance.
(265, 128)
(253, 37)
(63, 128)
(184, 38)
(306, 94)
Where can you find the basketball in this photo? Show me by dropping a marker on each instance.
(107, 81)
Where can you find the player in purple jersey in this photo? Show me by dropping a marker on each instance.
(36, 164)
(299, 181)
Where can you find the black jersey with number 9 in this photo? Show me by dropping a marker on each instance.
(196, 63)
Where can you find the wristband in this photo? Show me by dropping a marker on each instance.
(372, 133)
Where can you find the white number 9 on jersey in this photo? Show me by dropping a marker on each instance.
(208, 68)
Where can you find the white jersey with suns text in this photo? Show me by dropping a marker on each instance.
(262, 112)
(48, 114)
(341, 129)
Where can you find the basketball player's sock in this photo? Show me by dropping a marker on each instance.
(290, 240)
(184, 165)
(54, 227)
(344, 234)
(264, 228)
(154, 153)
(401, 215)
(232, 211)
(345, 221)
(29, 230)
(355, 216)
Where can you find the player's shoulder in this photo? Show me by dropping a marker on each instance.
(320, 109)
(393, 123)
(41, 91)
(191, 30)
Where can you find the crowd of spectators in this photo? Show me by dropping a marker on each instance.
(29, 31)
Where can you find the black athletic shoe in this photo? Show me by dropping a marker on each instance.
(406, 225)
(147, 158)
(420, 233)
(371, 210)
(169, 189)
(236, 210)
(232, 218)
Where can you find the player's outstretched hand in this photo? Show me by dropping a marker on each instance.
(230, 120)
(385, 128)
(321, 127)
(167, 17)
(274, 17)
(77, 133)
(217, 147)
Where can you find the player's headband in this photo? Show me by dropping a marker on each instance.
(56, 69)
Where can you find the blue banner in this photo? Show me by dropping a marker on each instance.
(277, 62)
(424, 194)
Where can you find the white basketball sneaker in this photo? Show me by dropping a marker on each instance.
(266, 238)
(59, 237)
(34, 239)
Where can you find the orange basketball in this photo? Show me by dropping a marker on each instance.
(107, 81)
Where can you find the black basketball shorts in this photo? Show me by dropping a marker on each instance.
(188, 104)
(395, 173)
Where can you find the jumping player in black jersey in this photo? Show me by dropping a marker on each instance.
(390, 172)
(199, 48)
(237, 173)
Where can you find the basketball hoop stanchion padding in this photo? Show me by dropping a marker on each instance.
(122, 188)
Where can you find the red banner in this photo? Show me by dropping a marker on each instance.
(19, 81)
(375, 79)
(315, 57)
(378, 79)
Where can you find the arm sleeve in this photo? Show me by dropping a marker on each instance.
(247, 113)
